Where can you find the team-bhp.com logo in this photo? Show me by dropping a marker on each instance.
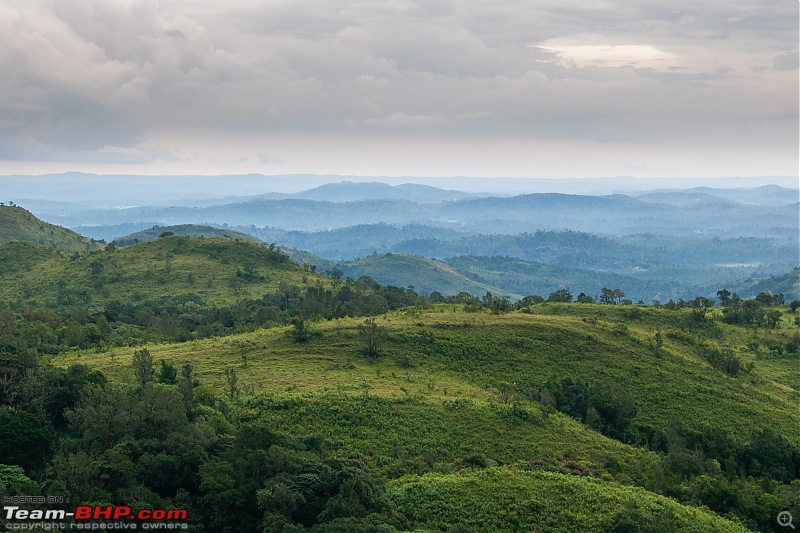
(97, 517)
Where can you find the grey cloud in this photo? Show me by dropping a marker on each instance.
(91, 74)
(787, 61)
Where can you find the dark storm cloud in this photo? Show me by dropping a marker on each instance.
(122, 80)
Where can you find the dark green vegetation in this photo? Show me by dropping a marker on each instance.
(17, 224)
(218, 376)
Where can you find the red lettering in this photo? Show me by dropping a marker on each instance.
(121, 511)
(83, 512)
(103, 512)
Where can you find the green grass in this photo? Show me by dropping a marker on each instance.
(507, 499)
(17, 224)
(416, 434)
(470, 354)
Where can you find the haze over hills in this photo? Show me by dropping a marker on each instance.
(763, 195)
(655, 245)
(514, 276)
(616, 214)
(125, 190)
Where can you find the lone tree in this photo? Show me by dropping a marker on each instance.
(231, 383)
(658, 344)
(372, 336)
(143, 366)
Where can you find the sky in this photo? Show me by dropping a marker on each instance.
(543, 88)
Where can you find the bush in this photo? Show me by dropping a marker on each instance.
(300, 332)
(373, 337)
(724, 360)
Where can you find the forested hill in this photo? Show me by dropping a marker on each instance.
(17, 224)
(216, 269)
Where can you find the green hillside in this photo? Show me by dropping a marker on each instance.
(218, 270)
(473, 354)
(404, 270)
(454, 389)
(508, 500)
(17, 224)
(184, 230)
(425, 275)
(787, 284)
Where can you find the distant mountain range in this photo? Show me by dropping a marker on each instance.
(348, 191)
(614, 215)
(764, 195)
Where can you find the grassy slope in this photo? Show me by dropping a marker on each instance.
(186, 230)
(166, 267)
(17, 224)
(426, 275)
(401, 270)
(443, 409)
(469, 354)
(506, 499)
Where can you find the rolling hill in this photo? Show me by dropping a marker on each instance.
(787, 284)
(405, 270)
(215, 269)
(184, 230)
(17, 224)
(452, 412)
(612, 214)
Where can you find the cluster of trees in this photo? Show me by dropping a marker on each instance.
(26, 328)
(600, 405)
(166, 442)
(758, 312)
(751, 478)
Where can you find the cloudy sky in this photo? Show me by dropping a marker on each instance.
(544, 88)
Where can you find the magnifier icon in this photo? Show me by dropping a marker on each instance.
(785, 519)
